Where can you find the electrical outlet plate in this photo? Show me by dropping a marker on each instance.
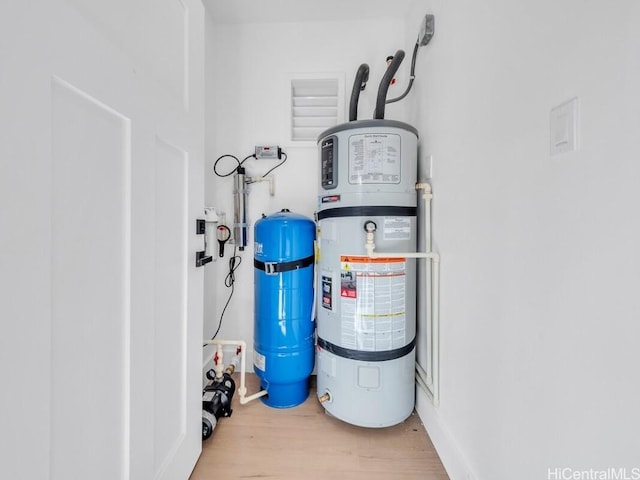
(427, 28)
(563, 128)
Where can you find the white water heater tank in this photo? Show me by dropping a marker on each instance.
(367, 307)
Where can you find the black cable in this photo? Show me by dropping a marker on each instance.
(235, 260)
(234, 263)
(278, 165)
(229, 282)
(239, 164)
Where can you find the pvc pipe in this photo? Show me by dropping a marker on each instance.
(233, 365)
(315, 280)
(435, 332)
(424, 376)
(433, 256)
(432, 316)
(263, 179)
(429, 378)
(242, 391)
(420, 382)
(244, 400)
(218, 362)
(211, 224)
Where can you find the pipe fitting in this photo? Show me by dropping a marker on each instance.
(325, 397)
(242, 348)
(218, 360)
(370, 226)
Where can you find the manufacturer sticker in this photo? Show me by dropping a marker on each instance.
(348, 284)
(327, 293)
(259, 361)
(330, 198)
(397, 228)
(207, 396)
(374, 158)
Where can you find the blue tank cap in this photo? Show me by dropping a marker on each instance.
(285, 214)
(284, 236)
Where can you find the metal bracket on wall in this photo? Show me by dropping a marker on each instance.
(201, 258)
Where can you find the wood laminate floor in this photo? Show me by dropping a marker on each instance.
(304, 442)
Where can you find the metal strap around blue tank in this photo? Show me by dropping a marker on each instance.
(271, 268)
(367, 356)
(368, 211)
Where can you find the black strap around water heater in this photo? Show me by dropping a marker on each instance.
(368, 211)
(366, 356)
(271, 268)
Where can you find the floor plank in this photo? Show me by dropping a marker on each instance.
(305, 443)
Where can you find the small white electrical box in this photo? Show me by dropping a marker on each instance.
(268, 152)
(564, 127)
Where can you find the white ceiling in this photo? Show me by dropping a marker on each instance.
(284, 11)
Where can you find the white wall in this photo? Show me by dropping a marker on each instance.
(248, 104)
(540, 264)
(539, 258)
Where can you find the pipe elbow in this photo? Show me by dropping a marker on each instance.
(424, 186)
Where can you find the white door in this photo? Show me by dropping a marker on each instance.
(101, 181)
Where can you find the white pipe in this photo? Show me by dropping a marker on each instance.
(315, 282)
(428, 318)
(244, 400)
(235, 363)
(433, 256)
(263, 179)
(211, 224)
(242, 391)
(429, 378)
(422, 384)
(435, 332)
(433, 300)
(424, 376)
(218, 362)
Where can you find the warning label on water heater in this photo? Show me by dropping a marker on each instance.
(374, 158)
(372, 303)
(327, 292)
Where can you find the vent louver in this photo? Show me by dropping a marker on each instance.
(315, 106)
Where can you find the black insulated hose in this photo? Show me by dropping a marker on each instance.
(412, 76)
(385, 82)
(359, 83)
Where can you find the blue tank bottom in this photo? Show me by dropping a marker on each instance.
(286, 377)
(285, 395)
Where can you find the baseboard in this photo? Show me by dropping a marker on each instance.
(452, 458)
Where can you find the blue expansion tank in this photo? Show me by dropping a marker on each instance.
(283, 323)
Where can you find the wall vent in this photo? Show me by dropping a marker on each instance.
(316, 104)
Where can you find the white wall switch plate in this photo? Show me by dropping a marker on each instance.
(563, 127)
